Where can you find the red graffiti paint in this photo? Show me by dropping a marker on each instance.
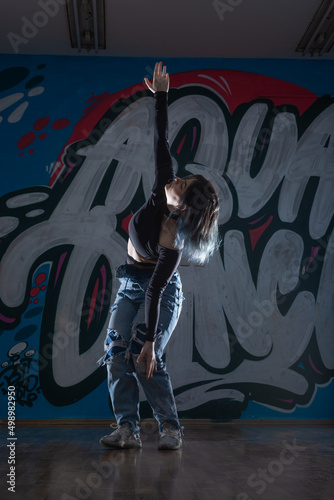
(40, 278)
(178, 151)
(126, 222)
(255, 234)
(34, 291)
(26, 140)
(41, 123)
(59, 124)
(5, 319)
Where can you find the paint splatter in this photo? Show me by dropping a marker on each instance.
(41, 123)
(61, 123)
(26, 140)
(40, 278)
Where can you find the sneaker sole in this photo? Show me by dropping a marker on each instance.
(167, 447)
(117, 446)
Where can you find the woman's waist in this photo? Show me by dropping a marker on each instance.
(140, 259)
(139, 265)
(141, 273)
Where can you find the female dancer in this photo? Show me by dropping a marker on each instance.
(180, 217)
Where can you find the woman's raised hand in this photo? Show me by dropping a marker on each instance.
(160, 81)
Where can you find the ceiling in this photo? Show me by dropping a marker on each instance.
(168, 28)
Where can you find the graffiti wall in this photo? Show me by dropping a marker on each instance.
(255, 338)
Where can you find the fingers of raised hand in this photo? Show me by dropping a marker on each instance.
(160, 71)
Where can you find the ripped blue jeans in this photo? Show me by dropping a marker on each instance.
(124, 341)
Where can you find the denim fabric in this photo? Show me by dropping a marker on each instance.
(124, 341)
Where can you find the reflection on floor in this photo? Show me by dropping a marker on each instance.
(218, 461)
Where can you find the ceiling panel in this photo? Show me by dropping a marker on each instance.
(160, 28)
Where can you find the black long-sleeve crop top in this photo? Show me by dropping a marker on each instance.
(145, 225)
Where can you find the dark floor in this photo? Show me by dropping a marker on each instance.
(217, 462)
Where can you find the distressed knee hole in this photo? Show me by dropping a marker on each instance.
(114, 345)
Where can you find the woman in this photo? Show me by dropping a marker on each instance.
(180, 217)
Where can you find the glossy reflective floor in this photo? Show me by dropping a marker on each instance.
(217, 462)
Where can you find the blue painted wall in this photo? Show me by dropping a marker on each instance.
(255, 339)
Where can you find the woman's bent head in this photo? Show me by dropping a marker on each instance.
(198, 220)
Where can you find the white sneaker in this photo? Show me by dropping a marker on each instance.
(122, 437)
(170, 437)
